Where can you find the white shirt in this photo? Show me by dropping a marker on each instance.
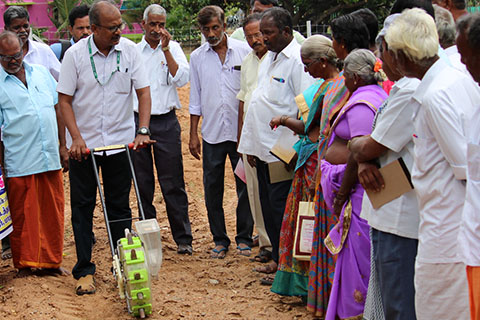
(214, 88)
(394, 130)
(469, 234)
(104, 114)
(163, 87)
(455, 59)
(249, 78)
(40, 53)
(444, 101)
(280, 80)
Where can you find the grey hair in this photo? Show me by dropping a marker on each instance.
(14, 12)
(445, 26)
(94, 12)
(154, 9)
(362, 63)
(317, 47)
(473, 35)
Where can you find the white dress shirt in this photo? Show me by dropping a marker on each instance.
(213, 90)
(469, 235)
(281, 77)
(163, 86)
(104, 114)
(249, 78)
(455, 58)
(40, 53)
(444, 101)
(394, 129)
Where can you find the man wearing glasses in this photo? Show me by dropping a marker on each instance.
(95, 89)
(31, 163)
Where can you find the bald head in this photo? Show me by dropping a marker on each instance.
(101, 9)
(9, 39)
(11, 54)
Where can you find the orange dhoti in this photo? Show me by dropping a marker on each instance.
(37, 209)
(473, 276)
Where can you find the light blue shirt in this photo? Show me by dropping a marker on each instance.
(57, 48)
(29, 122)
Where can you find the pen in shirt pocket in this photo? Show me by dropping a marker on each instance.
(281, 80)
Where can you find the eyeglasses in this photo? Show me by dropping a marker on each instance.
(114, 29)
(253, 36)
(307, 65)
(16, 57)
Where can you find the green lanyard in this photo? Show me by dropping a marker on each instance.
(95, 69)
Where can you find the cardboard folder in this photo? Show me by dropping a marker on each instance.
(397, 182)
(278, 172)
(283, 148)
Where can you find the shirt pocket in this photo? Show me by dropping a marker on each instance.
(122, 83)
(277, 90)
(44, 97)
(473, 156)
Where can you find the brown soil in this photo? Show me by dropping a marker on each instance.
(188, 287)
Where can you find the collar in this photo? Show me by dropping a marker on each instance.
(451, 50)
(117, 47)
(290, 49)
(229, 45)
(72, 42)
(4, 75)
(428, 78)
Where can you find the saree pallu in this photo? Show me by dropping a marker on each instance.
(291, 278)
(37, 207)
(350, 240)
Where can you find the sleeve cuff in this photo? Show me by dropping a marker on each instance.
(460, 172)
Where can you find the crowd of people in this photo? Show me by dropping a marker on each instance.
(356, 101)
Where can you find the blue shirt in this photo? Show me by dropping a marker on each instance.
(57, 48)
(29, 122)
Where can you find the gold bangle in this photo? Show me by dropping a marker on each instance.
(283, 119)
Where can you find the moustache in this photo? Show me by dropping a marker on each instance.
(155, 34)
(256, 44)
(213, 39)
(23, 34)
(84, 35)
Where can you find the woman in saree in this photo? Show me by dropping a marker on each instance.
(349, 33)
(321, 62)
(350, 239)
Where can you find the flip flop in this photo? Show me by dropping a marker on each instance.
(241, 251)
(85, 285)
(268, 280)
(218, 252)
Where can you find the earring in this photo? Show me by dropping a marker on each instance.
(355, 82)
(324, 66)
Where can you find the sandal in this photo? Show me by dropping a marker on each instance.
(268, 280)
(85, 285)
(244, 251)
(219, 253)
(268, 269)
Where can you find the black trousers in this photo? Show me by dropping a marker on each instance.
(273, 197)
(214, 158)
(117, 181)
(167, 156)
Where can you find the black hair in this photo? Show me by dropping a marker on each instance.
(473, 35)
(78, 12)
(14, 12)
(401, 5)
(208, 13)
(459, 4)
(280, 17)
(251, 18)
(265, 2)
(351, 31)
(370, 20)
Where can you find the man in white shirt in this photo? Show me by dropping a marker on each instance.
(281, 77)
(395, 224)
(167, 69)
(95, 89)
(248, 83)
(214, 84)
(443, 102)
(17, 20)
(468, 42)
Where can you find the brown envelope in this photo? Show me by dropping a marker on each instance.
(278, 172)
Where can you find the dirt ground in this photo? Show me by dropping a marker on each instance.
(188, 287)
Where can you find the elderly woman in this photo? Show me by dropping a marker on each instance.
(349, 33)
(320, 61)
(349, 239)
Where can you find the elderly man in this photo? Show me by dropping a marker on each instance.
(394, 226)
(31, 130)
(458, 8)
(442, 103)
(281, 77)
(214, 84)
(468, 42)
(95, 88)
(17, 20)
(79, 28)
(168, 70)
(259, 6)
(248, 83)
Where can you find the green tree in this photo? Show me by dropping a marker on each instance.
(58, 14)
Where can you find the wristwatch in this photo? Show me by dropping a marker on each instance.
(166, 48)
(144, 131)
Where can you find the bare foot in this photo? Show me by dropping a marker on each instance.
(268, 268)
(24, 272)
(7, 254)
(53, 272)
(219, 252)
